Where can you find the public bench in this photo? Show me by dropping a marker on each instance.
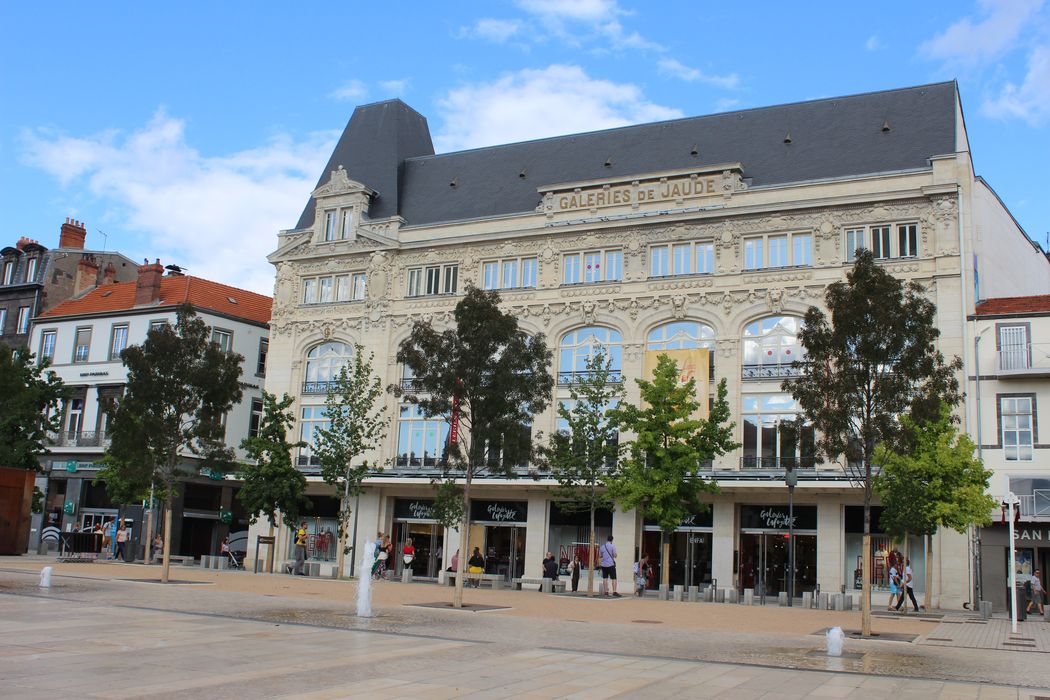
(545, 584)
(497, 580)
(182, 559)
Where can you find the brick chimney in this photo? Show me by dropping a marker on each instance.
(23, 242)
(72, 234)
(87, 274)
(109, 275)
(147, 287)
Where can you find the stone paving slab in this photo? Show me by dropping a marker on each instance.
(1033, 635)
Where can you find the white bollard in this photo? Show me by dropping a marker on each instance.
(45, 577)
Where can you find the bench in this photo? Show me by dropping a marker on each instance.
(545, 584)
(185, 560)
(496, 580)
(310, 568)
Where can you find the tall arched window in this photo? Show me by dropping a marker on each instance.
(684, 335)
(577, 346)
(323, 363)
(770, 346)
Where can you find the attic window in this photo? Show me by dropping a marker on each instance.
(885, 126)
(231, 300)
(695, 150)
(787, 137)
(106, 293)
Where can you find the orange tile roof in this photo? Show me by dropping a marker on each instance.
(1014, 305)
(202, 294)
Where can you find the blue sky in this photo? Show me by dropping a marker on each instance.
(194, 132)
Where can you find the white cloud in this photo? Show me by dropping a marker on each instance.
(726, 103)
(494, 30)
(1029, 101)
(874, 43)
(218, 216)
(576, 22)
(530, 104)
(972, 43)
(674, 68)
(351, 90)
(394, 88)
(574, 10)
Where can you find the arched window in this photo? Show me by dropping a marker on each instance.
(323, 363)
(770, 346)
(684, 335)
(577, 346)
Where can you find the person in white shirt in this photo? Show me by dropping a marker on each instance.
(908, 588)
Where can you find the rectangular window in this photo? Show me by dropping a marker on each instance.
(683, 259)
(1018, 434)
(433, 280)
(529, 267)
(118, 341)
(30, 269)
(342, 288)
(224, 339)
(421, 441)
(157, 325)
(82, 346)
(348, 224)
(613, 266)
(510, 274)
(880, 242)
(23, 320)
(255, 420)
(3, 321)
(9, 272)
(907, 245)
(659, 261)
(854, 242)
(778, 251)
(490, 275)
(47, 345)
(330, 220)
(325, 289)
(260, 365)
(754, 259)
(415, 277)
(802, 249)
(593, 266)
(705, 258)
(312, 420)
(572, 269)
(310, 291)
(358, 285)
(451, 281)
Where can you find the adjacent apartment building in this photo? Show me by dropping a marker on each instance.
(83, 338)
(712, 234)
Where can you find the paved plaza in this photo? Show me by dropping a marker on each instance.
(110, 631)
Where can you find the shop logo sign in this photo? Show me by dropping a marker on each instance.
(689, 520)
(1036, 535)
(421, 511)
(777, 519)
(502, 514)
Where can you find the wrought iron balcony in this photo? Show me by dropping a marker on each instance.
(778, 463)
(82, 438)
(772, 371)
(565, 378)
(1030, 360)
(321, 387)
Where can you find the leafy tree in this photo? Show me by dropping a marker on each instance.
(356, 426)
(179, 387)
(29, 399)
(272, 484)
(660, 477)
(935, 482)
(582, 457)
(874, 359)
(487, 376)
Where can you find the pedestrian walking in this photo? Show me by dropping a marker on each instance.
(607, 554)
(301, 536)
(1037, 592)
(476, 567)
(895, 582)
(122, 541)
(908, 588)
(574, 572)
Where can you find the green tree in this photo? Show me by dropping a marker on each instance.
(272, 484)
(179, 387)
(582, 457)
(874, 359)
(486, 376)
(936, 482)
(661, 476)
(357, 424)
(30, 395)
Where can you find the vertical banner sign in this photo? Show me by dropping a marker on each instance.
(453, 432)
(692, 364)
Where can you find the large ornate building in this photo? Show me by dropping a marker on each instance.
(712, 233)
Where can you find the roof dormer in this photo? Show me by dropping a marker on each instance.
(339, 207)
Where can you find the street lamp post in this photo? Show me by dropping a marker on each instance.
(1012, 502)
(791, 478)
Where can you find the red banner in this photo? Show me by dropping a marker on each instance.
(453, 433)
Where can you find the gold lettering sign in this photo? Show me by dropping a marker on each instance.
(692, 364)
(669, 190)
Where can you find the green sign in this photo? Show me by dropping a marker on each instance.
(225, 517)
(71, 466)
(68, 508)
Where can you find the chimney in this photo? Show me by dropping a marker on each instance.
(72, 234)
(87, 274)
(147, 288)
(23, 242)
(109, 275)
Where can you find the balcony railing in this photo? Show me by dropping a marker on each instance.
(778, 463)
(1030, 360)
(763, 372)
(564, 378)
(82, 438)
(318, 387)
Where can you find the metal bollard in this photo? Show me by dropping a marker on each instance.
(720, 595)
(849, 602)
(709, 594)
(693, 594)
(782, 599)
(822, 601)
(406, 575)
(662, 593)
(732, 595)
(837, 602)
(807, 599)
(679, 594)
(749, 596)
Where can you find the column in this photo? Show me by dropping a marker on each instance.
(626, 536)
(536, 531)
(723, 542)
(831, 543)
(367, 526)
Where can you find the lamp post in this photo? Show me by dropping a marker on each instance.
(791, 478)
(1011, 502)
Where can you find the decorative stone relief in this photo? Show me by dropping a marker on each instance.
(775, 300)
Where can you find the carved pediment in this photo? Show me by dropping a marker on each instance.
(340, 183)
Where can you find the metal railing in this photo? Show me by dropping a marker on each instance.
(777, 371)
(781, 463)
(82, 438)
(1023, 360)
(321, 387)
(615, 377)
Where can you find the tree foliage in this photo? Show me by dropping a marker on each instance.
(357, 424)
(272, 485)
(937, 482)
(661, 474)
(30, 396)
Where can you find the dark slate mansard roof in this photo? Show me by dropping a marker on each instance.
(387, 147)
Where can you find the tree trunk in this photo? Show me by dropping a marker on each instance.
(464, 527)
(344, 521)
(928, 598)
(164, 569)
(590, 557)
(665, 560)
(149, 534)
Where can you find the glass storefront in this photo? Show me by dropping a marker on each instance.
(498, 529)
(766, 543)
(882, 546)
(322, 530)
(570, 531)
(690, 560)
(413, 518)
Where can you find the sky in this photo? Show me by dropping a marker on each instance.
(193, 132)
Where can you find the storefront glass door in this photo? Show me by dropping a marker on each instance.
(764, 562)
(428, 540)
(505, 551)
(690, 557)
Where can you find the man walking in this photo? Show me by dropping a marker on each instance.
(300, 549)
(1037, 592)
(908, 588)
(607, 553)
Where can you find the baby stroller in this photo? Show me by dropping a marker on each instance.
(236, 559)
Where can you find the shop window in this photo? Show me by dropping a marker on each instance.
(772, 436)
(770, 347)
(569, 535)
(684, 335)
(577, 346)
(1017, 427)
(323, 363)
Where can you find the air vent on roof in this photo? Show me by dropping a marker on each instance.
(608, 162)
(695, 150)
(787, 138)
(522, 174)
(231, 300)
(454, 183)
(107, 293)
(885, 126)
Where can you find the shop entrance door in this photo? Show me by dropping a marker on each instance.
(764, 562)
(429, 540)
(690, 557)
(505, 551)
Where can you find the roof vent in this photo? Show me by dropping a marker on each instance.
(106, 293)
(608, 162)
(231, 300)
(885, 126)
(695, 150)
(787, 137)
(522, 174)
(455, 183)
